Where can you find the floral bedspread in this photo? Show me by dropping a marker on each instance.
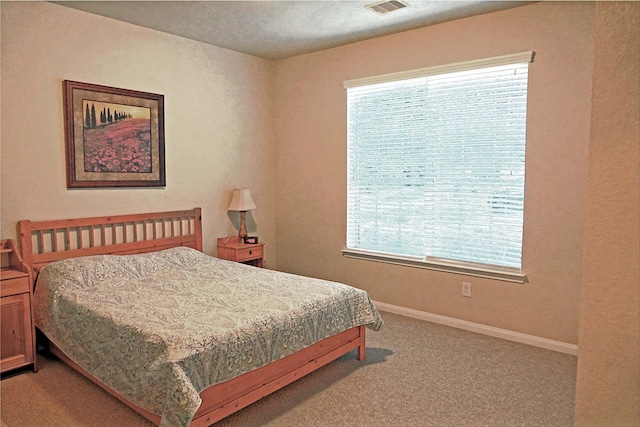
(160, 327)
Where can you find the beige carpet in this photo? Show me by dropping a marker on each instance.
(416, 374)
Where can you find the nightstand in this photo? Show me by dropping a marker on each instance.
(17, 338)
(232, 249)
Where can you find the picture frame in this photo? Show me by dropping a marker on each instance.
(114, 137)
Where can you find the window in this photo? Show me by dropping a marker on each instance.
(436, 166)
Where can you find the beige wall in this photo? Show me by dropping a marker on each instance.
(608, 383)
(311, 174)
(218, 119)
(279, 128)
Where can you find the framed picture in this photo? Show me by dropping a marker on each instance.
(114, 137)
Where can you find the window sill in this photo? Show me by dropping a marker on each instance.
(507, 275)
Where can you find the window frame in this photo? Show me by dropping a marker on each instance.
(508, 274)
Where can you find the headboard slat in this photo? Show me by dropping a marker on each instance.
(91, 237)
(113, 234)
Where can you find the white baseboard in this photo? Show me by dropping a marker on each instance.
(506, 334)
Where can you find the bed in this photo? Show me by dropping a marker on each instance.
(183, 338)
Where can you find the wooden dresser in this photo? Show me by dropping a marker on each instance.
(17, 341)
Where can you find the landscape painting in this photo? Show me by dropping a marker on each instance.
(115, 137)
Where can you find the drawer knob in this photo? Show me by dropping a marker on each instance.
(250, 252)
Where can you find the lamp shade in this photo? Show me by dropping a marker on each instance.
(241, 200)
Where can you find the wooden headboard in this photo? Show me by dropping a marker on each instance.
(43, 242)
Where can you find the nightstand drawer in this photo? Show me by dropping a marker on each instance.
(234, 249)
(246, 254)
(13, 286)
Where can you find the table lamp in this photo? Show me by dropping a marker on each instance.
(242, 202)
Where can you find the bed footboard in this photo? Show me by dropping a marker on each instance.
(222, 400)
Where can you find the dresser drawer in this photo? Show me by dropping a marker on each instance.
(247, 254)
(13, 286)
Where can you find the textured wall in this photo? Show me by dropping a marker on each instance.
(218, 119)
(608, 382)
(311, 171)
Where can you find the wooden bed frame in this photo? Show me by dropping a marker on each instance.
(47, 241)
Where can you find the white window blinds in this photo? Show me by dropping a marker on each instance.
(436, 162)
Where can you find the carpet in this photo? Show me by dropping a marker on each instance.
(416, 373)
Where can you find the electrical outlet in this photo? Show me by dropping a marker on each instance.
(466, 289)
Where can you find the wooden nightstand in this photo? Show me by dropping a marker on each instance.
(17, 338)
(232, 249)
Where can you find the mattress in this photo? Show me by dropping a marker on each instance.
(160, 327)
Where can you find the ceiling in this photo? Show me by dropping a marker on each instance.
(279, 29)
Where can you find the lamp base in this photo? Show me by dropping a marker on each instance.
(242, 233)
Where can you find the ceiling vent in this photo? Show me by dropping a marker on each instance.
(387, 6)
